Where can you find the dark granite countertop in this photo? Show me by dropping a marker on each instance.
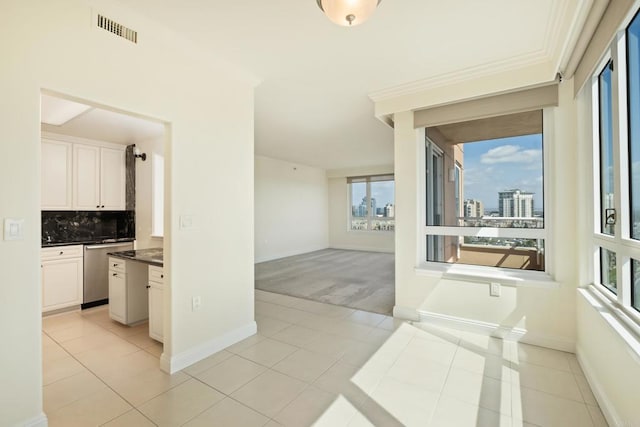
(152, 256)
(87, 242)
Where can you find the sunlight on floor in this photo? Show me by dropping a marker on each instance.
(310, 364)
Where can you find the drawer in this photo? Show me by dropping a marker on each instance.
(61, 252)
(117, 274)
(156, 274)
(117, 265)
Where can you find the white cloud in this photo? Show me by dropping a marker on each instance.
(510, 154)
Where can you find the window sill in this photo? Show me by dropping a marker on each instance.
(371, 231)
(624, 325)
(157, 237)
(472, 273)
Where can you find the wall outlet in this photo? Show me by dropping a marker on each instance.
(494, 289)
(195, 303)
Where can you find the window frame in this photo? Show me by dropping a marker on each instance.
(371, 216)
(621, 243)
(506, 276)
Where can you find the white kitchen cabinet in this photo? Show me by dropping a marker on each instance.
(128, 295)
(56, 175)
(118, 296)
(99, 178)
(113, 180)
(156, 303)
(62, 279)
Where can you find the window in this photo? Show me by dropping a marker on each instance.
(608, 270)
(484, 198)
(606, 150)
(635, 284)
(616, 149)
(157, 198)
(372, 203)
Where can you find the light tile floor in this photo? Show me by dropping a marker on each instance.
(310, 364)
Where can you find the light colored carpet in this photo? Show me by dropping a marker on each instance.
(356, 279)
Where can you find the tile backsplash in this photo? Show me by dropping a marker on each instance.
(86, 226)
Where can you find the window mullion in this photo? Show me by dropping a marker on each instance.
(622, 155)
(624, 264)
(596, 172)
(369, 213)
(618, 109)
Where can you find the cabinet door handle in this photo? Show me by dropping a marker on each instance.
(102, 206)
(114, 274)
(115, 265)
(61, 252)
(148, 286)
(98, 206)
(162, 276)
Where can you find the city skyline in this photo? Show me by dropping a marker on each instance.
(498, 165)
(382, 191)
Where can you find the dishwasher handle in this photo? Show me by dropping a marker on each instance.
(114, 245)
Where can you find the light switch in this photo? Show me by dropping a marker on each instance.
(13, 229)
(186, 221)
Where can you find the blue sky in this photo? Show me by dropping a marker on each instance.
(489, 167)
(503, 164)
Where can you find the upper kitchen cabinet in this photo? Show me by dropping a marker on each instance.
(99, 178)
(113, 181)
(83, 174)
(56, 175)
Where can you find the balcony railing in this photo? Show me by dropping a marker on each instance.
(501, 222)
(373, 224)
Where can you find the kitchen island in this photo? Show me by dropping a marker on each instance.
(152, 256)
(136, 288)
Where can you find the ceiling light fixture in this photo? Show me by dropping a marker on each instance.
(348, 13)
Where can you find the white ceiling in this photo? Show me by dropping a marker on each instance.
(100, 124)
(313, 104)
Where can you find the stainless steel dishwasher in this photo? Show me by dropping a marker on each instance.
(96, 272)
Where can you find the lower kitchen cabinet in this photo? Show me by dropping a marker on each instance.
(156, 303)
(118, 297)
(62, 278)
(128, 296)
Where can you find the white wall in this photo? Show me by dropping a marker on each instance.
(209, 159)
(546, 313)
(610, 363)
(144, 194)
(291, 206)
(340, 236)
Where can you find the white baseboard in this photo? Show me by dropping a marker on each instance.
(189, 357)
(362, 248)
(39, 421)
(608, 410)
(496, 330)
(406, 313)
(259, 259)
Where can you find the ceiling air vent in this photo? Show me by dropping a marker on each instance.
(117, 29)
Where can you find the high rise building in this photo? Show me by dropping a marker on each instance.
(363, 209)
(473, 208)
(389, 210)
(515, 203)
